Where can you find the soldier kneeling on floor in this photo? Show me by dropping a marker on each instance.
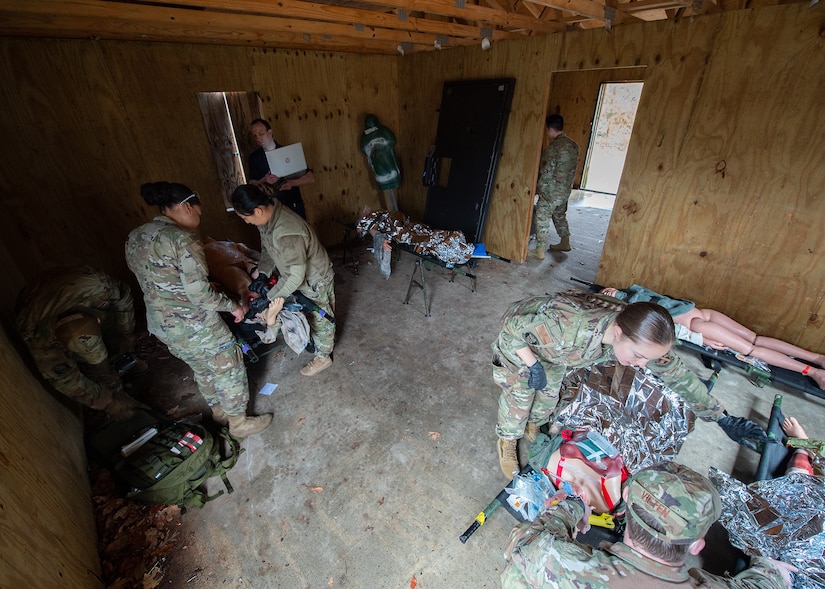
(669, 511)
(66, 317)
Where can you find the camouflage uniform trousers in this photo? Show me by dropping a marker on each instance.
(66, 368)
(551, 209)
(61, 370)
(519, 404)
(322, 330)
(215, 357)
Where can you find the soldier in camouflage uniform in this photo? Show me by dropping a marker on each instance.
(542, 337)
(66, 318)
(182, 309)
(291, 247)
(556, 174)
(670, 509)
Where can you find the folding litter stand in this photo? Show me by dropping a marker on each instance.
(347, 247)
(417, 276)
(758, 376)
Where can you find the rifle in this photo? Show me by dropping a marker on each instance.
(604, 527)
(591, 285)
(499, 500)
(310, 306)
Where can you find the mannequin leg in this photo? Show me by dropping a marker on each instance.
(733, 326)
(789, 349)
(760, 341)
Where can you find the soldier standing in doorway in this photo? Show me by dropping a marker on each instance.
(556, 173)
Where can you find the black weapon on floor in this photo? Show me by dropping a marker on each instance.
(591, 285)
(500, 500)
(602, 528)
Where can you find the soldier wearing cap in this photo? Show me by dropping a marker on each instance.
(669, 511)
(66, 318)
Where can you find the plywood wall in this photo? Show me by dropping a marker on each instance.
(721, 200)
(48, 536)
(88, 122)
(321, 100)
(421, 78)
(721, 197)
(726, 137)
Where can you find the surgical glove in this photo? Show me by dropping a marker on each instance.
(743, 431)
(538, 377)
(258, 284)
(256, 307)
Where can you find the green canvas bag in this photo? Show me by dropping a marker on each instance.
(164, 462)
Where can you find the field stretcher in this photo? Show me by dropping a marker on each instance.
(759, 373)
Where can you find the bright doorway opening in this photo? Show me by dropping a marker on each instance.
(226, 119)
(613, 125)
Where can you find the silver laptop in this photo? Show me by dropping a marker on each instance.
(287, 161)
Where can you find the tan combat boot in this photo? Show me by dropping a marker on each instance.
(316, 365)
(537, 253)
(219, 416)
(561, 246)
(242, 426)
(508, 457)
(531, 431)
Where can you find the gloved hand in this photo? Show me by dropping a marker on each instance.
(538, 377)
(258, 284)
(256, 307)
(743, 431)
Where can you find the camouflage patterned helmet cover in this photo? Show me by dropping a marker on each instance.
(683, 502)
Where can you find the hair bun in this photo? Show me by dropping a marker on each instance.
(152, 193)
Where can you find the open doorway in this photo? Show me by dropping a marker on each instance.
(612, 126)
(226, 119)
(579, 96)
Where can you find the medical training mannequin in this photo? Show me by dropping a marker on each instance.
(721, 332)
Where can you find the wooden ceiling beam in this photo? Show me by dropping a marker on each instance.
(113, 20)
(472, 12)
(338, 14)
(641, 5)
(587, 8)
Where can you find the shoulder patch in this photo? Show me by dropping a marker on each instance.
(664, 360)
(543, 335)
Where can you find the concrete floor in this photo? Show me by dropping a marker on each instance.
(373, 468)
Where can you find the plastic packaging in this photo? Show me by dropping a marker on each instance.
(528, 494)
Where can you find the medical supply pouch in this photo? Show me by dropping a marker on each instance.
(156, 460)
(585, 458)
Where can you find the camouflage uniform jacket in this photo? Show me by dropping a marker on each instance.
(170, 267)
(558, 167)
(59, 291)
(289, 245)
(542, 555)
(562, 331)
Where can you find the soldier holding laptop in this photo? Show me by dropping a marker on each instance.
(260, 174)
